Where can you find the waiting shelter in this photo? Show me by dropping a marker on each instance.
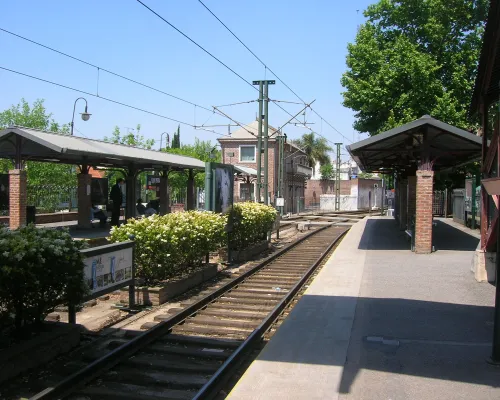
(24, 144)
(413, 152)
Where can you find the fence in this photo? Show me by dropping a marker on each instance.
(50, 198)
(458, 199)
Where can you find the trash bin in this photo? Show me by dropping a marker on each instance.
(30, 214)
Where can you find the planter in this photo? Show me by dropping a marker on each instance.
(148, 295)
(58, 339)
(245, 254)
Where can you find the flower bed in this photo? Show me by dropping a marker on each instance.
(171, 244)
(39, 269)
(251, 224)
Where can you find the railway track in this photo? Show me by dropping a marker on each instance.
(190, 353)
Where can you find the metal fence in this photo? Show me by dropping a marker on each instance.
(458, 199)
(51, 198)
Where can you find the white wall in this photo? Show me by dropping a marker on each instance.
(347, 203)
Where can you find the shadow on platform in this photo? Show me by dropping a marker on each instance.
(384, 234)
(399, 336)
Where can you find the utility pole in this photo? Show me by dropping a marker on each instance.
(281, 138)
(263, 114)
(337, 178)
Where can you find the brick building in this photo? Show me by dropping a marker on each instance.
(240, 149)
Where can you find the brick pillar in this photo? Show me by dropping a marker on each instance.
(403, 193)
(411, 200)
(17, 198)
(164, 198)
(423, 227)
(84, 200)
(190, 191)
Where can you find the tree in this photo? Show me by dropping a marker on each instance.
(316, 149)
(130, 139)
(202, 150)
(36, 117)
(327, 172)
(176, 140)
(413, 58)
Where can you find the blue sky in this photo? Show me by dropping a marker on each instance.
(303, 42)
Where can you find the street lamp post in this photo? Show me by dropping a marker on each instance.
(161, 138)
(85, 115)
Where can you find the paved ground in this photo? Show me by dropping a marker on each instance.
(380, 322)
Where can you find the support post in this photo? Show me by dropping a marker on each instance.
(131, 198)
(17, 198)
(190, 191)
(266, 143)
(337, 179)
(84, 198)
(259, 145)
(485, 198)
(423, 223)
(164, 197)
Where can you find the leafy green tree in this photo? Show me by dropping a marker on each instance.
(316, 149)
(130, 139)
(203, 150)
(37, 117)
(327, 171)
(412, 58)
(176, 140)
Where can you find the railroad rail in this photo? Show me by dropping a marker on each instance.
(192, 350)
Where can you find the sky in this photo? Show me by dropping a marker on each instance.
(304, 43)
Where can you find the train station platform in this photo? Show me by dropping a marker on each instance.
(381, 322)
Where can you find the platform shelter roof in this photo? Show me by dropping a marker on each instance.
(38, 145)
(425, 140)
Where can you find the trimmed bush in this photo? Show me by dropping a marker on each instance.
(251, 223)
(170, 244)
(39, 269)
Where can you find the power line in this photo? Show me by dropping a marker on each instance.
(110, 100)
(104, 69)
(210, 54)
(270, 70)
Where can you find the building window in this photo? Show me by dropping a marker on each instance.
(247, 153)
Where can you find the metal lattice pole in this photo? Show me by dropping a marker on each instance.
(337, 178)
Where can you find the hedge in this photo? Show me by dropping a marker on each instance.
(251, 223)
(39, 269)
(168, 245)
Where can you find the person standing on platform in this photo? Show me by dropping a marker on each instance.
(116, 197)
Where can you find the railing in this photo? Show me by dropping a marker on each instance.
(299, 169)
(51, 198)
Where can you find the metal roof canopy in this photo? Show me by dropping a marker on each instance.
(425, 140)
(37, 145)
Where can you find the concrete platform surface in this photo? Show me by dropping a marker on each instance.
(380, 322)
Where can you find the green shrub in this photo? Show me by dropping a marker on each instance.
(39, 269)
(168, 245)
(251, 223)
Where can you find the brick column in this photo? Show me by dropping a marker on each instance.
(411, 200)
(84, 200)
(423, 227)
(164, 198)
(17, 198)
(403, 194)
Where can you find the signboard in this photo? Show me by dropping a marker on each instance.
(280, 202)
(219, 183)
(4, 191)
(99, 191)
(153, 183)
(389, 194)
(109, 267)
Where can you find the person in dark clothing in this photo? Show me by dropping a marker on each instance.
(96, 212)
(116, 197)
(141, 209)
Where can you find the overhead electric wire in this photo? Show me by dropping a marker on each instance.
(105, 70)
(210, 54)
(108, 99)
(270, 70)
